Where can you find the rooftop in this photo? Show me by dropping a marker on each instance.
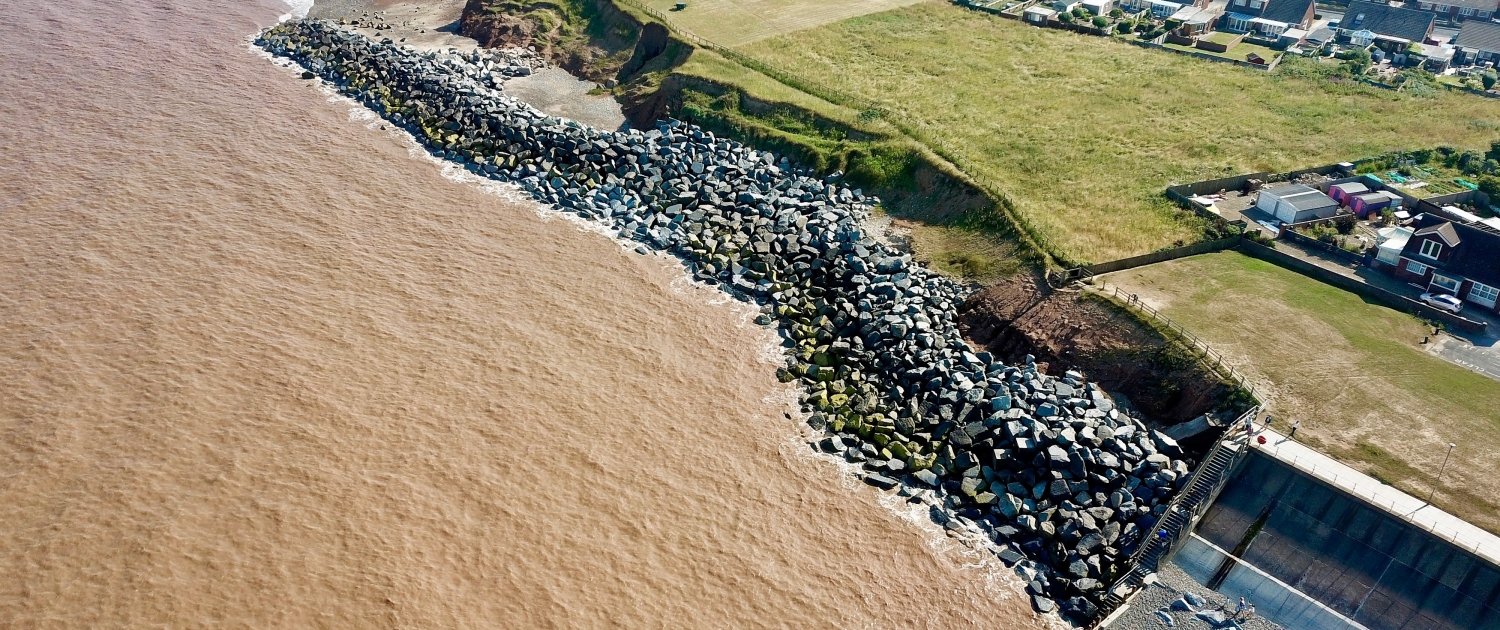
(1479, 35)
(1288, 11)
(1300, 196)
(1383, 19)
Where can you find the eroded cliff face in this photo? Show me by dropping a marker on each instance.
(592, 39)
(1069, 329)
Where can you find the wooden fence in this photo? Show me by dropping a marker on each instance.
(1199, 348)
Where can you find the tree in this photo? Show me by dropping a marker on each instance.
(1080, 12)
(1116, 13)
(1100, 21)
(1344, 223)
(1488, 79)
(1065, 18)
(1357, 62)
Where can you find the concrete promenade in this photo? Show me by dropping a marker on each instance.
(1400, 504)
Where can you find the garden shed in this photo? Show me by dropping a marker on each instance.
(1364, 204)
(1343, 192)
(1038, 15)
(1098, 7)
(1296, 203)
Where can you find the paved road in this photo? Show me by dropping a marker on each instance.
(1484, 359)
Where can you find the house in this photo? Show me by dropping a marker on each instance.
(1194, 20)
(1363, 204)
(1395, 26)
(1064, 6)
(1296, 203)
(1342, 192)
(1266, 18)
(1097, 7)
(1461, 10)
(1038, 15)
(1478, 42)
(1453, 258)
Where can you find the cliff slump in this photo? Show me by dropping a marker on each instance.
(593, 39)
(1071, 329)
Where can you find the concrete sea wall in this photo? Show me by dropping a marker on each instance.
(1358, 560)
(1047, 468)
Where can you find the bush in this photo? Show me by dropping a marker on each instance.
(1344, 223)
(1080, 12)
(1488, 79)
(1124, 27)
(1065, 18)
(1100, 21)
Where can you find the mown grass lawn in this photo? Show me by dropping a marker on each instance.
(1084, 133)
(1354, 373)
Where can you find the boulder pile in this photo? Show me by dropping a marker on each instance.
(1063, 482)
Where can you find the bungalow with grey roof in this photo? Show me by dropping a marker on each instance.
(1266, 18)
(1478, 42)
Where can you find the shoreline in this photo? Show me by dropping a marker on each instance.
(432, 25)
(1025, 407)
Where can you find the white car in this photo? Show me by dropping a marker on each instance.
(1443, 301)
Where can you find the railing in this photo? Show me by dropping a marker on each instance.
(1210, 357)
(1192, 500)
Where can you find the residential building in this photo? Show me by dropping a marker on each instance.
(1395, 26)
(1478, 42)
(1460, 10)
(1462, 260)
(1266, 18)
(1296, 203)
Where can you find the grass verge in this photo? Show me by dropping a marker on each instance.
(1083, 133)
(1353, 373)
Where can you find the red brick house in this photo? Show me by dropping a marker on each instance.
(1459, 10)
(1461, 260)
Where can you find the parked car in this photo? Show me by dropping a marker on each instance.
(1443, 301)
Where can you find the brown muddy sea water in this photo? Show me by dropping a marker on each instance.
(261, 367)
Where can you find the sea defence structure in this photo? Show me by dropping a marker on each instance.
(1065, 484)
(1313, 553)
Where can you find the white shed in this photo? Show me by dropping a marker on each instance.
(1296, 203)
(1038, 15)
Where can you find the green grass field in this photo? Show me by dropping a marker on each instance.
(1083, 133)
(1354, 373)
(738, 22)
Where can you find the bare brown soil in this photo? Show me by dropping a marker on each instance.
(1068, 329)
